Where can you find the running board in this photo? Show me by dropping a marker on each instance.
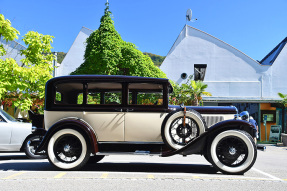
(138, 152)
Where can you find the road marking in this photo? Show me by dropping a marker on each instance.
(14, 175)
(150, 176)
(60, 175)
(266, 174)
(105, 175)
(195, 177)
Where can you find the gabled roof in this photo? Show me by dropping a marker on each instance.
(271, 57)
(184, 33)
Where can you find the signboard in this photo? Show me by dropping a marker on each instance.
(275, 133)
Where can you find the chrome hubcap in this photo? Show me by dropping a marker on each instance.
(232, 151)
(67, 148)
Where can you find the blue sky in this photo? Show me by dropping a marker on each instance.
(254, 27)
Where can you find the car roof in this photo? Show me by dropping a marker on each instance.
(110, 78)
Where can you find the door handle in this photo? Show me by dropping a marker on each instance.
(128, 110)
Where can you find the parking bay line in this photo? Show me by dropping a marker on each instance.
(60, 175)
(266, 174)
(13, 176)
(105, 175)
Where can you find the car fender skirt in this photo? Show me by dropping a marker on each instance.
(76, 124)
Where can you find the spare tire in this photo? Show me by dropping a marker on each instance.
(176, 135)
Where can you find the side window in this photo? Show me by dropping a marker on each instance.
(104, 93)
(69, 94)
(145, 94)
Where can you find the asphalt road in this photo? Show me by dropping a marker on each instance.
(144, 173)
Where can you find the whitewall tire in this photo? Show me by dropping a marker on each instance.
(68, 149)
(232, 152)
(176, 136)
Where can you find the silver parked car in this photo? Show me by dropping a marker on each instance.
(18, 136)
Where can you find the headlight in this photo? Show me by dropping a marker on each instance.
(33, 129)
(236, 116)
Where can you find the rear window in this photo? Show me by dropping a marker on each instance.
(69, 93)
(145, 94)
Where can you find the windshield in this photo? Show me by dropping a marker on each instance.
(7, 116)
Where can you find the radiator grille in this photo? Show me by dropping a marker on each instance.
(211, 120)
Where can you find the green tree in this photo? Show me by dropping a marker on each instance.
(22, 85)
(106, 53)
(189, 93)
(7, 32)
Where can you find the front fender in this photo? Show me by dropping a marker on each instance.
(73, 123)
(232, 124)
(199, 144)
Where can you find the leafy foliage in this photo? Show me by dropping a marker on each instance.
(106, 53)
(24, 85)
(7, 32)
(284, 99)
(189, 93)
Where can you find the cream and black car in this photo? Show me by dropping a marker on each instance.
(88, 117)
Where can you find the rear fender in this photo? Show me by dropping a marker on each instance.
(72, 123)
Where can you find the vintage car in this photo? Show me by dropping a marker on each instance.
(90, 116)
(19, 136)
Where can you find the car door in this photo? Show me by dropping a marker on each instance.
(145, 113)
(103, 110)
(5, 133)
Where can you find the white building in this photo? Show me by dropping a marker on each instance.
(75, 56)
(230, 74)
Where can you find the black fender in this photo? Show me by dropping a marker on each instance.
(72, 123)
(199, 144)
(39, 131)
(35, 131)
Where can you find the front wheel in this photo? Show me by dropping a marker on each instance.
(68, 149)
(232, 152)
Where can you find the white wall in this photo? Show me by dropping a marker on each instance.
(75, 56)
(279, 73)
(230, 74)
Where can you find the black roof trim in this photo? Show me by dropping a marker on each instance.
(117, 78)
(283, 42)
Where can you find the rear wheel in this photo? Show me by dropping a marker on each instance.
(232, 152)
(68, 149)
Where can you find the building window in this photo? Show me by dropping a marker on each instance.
(199, 71)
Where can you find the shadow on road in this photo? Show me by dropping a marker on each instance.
(44, 165)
